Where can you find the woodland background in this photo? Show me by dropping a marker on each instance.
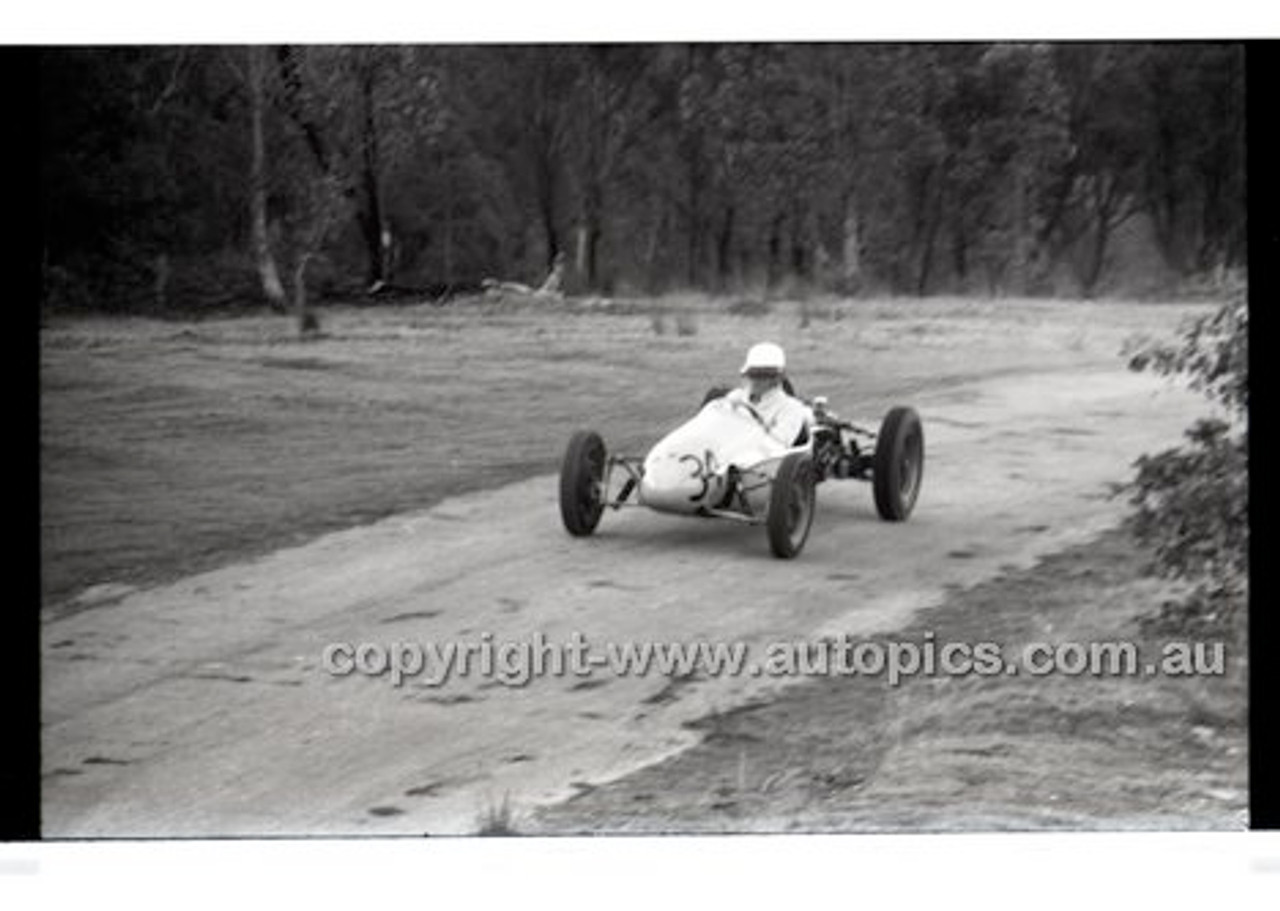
(184, 179)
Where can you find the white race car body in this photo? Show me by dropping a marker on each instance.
(687, 471)
(723, 464)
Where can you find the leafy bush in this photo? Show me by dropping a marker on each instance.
(1192, 503)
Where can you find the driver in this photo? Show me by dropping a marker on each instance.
(785, 417)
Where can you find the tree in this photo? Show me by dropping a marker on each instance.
(528, 97)
(1014, 143)
(850, 80)
(905, 168)
(268, 272)
(919, 143)
(143, 177)
(1195, 139)
(1099, 187)
(610, 114)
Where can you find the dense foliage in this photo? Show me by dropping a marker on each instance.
(1192, 503)
(169, 173)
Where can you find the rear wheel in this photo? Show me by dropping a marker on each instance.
(791, 505)
(897, 468)
(581, 480)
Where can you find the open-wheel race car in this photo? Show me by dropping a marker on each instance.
(722, 463)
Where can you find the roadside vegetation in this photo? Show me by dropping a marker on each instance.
(1192, 502)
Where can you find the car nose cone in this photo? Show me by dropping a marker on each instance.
(674, 483)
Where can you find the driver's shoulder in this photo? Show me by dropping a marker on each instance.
(799, 407)
(791, 401)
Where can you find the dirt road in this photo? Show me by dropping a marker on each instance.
(202, 707)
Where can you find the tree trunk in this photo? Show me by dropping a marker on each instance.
(308, 324)
(543, 137)
(1097, 256)
(775, 252)
(799, 261)
(694, 204)
(658, 227)
(372, 220)
(580, 249)
(933, 218)
(694, 250)
(268, 273)
(594, 233)
(916, 260)
(1021, 232)
(291, 77)
(446, 244)
(850, 246)
(960, 255)
(448, 240)
(589, 234)
(547, 208)
(724, 247)
(162, 272)
(1108, 215)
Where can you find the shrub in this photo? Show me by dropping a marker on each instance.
(1192, 503)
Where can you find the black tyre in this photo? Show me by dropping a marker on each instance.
(715, 392)
(791, 505)
(897, 469)
(581, 477)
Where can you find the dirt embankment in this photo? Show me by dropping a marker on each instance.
(855, 754)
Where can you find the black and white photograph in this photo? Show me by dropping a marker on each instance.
(643, 437)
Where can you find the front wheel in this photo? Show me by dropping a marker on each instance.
(581, 482)
(898, 465)
(791, 505)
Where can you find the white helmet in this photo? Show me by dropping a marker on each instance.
(765, 357)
